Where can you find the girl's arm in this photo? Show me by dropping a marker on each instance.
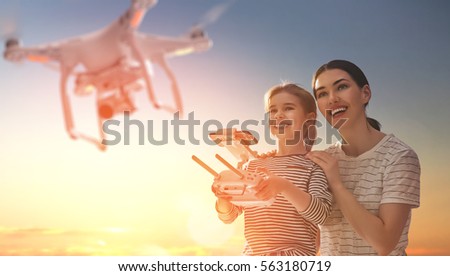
(227, 211)
(314, 205)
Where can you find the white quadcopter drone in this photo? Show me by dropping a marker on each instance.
(236, 184)
(116, 61)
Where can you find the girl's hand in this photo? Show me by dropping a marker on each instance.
(218, 194)
(270, 186)
(329, 165)
(223, 204)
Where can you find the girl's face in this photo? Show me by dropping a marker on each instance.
(339, 98)
(287, 116)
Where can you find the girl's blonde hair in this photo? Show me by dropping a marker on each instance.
(306, 101)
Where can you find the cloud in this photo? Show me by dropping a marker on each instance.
(124, 242)
(31, 232)
(430, 251)
(59, 242)
(99, 242)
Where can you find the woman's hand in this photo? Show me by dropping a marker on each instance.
(329, 165)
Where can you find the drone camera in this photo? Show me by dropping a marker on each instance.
(106, 111)
(114, 104)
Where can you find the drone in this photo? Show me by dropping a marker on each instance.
(116, 61)
(236, 184)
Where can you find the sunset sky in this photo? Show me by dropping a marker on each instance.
(64, 197)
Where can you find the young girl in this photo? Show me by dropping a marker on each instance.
(374, 177)
(302, 199)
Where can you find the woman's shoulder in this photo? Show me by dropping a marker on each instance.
(389, 145)
(393, 146)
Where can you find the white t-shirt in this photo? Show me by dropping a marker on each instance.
(388, 173)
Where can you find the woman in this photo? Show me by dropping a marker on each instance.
(302, 199)
(374, 177)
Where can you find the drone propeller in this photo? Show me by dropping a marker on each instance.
(9, 33)
(212, 15)
(9, 27)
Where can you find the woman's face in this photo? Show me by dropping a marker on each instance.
(287, 116)
(339, 98)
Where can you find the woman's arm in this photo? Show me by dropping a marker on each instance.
(381, 231)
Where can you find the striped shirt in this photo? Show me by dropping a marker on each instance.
(280, 229)
(388, 173)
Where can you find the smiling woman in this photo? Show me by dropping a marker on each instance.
(374, 177)
(341, 82)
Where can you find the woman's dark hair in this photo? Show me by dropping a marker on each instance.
(355, 73)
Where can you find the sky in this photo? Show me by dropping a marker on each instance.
(64, 197)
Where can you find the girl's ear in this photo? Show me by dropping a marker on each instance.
(311, 116)
(366, 94)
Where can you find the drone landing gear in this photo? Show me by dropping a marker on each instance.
(77, 135)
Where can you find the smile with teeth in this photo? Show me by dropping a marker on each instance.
(284, 124)
(281, 125)
(338, 110)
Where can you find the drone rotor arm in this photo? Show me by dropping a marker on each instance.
(42, 54)
(137, 17)
(135, 14)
